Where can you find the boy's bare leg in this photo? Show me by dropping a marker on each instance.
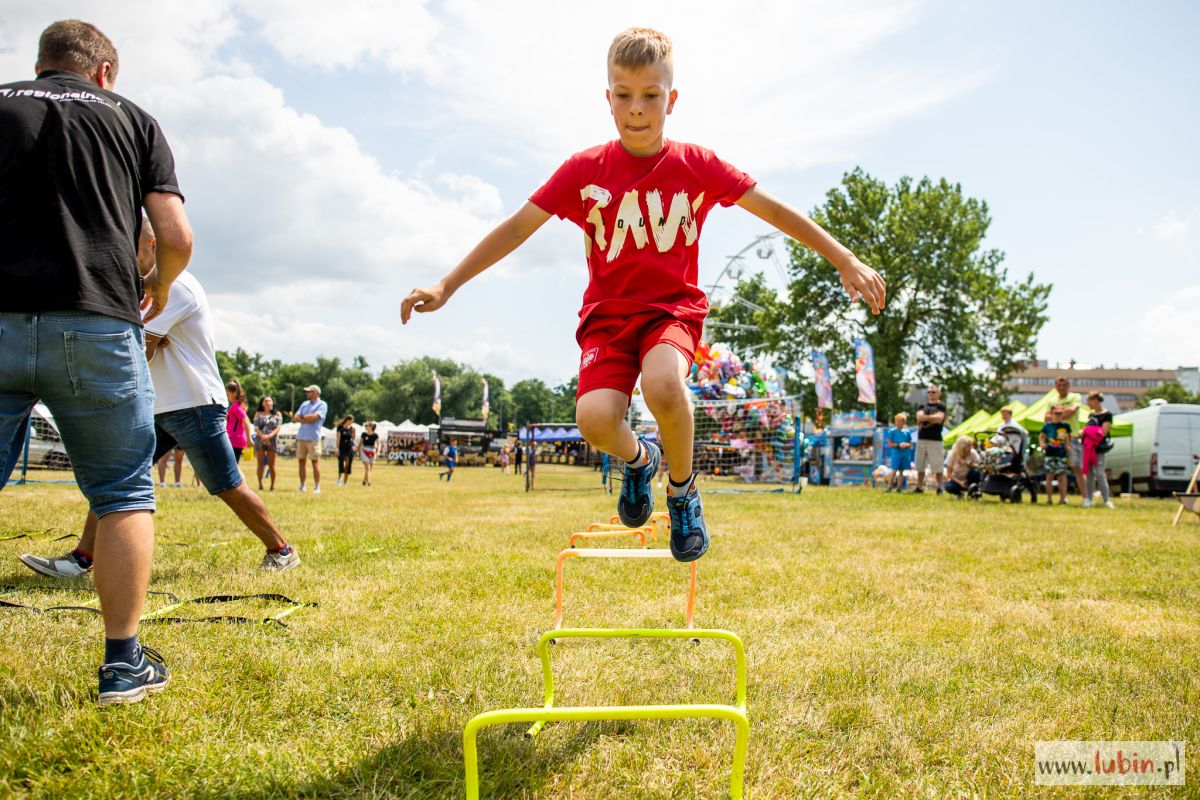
(252, 511)
(124, 554)
(600, 415)
(87, 542)
(316, 472)
(303, 470)
(663, 371)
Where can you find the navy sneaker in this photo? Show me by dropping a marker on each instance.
(689, 534)
(127, 683)
(636, 502)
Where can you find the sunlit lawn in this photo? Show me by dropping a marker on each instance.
(899, 646)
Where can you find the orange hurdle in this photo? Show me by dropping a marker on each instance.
(600, 531)
(616, 553)
(655, 519)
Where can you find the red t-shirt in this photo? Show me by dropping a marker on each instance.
(641, 218)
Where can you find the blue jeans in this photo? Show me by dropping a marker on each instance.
(200, 431)
(90, 370)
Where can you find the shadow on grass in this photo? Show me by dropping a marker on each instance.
(430, 765)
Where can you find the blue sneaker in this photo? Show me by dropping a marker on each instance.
(126, 683)
(636, 502)
(689, 534)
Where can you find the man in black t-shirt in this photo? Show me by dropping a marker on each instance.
(78, 163)
(931, 417)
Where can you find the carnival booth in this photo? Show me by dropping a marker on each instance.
(406, 443)
(847, 452)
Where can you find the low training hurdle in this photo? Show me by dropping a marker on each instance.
(600, 530)
(549, 713)
(657, 518)
(615, 553)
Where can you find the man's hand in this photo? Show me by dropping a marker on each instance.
(862, 282)
(430, 298)
(156, 293)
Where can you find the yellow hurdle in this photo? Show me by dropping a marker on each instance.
(549, 713)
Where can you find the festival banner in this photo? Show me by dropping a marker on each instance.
(437, 394)
(864, 371)
(485, 402)
(821, 379)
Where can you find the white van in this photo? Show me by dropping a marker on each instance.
(1163, 452)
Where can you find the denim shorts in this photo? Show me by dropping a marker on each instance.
(200, 431)
(90, 370)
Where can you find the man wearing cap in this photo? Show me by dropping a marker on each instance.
(310, 415)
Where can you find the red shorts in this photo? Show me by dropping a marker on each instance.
(613, 347)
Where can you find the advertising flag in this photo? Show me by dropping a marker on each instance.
(437, 394)
(821, 379)
(485, 402)
(864, 371)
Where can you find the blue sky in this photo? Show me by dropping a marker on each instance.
(333, 159)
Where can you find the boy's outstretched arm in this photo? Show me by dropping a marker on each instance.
(506, 237)
(858, 279)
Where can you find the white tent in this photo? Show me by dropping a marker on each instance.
(408, 426)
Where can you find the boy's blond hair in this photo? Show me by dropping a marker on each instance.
(635, 48)
(901, 417)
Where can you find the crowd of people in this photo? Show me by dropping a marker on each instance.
(1068, 449)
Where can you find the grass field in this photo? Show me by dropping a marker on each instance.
(899, 646)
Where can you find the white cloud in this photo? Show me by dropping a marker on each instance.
(1173, 228)
(399, 34)
(769, 85)
(1169, 331)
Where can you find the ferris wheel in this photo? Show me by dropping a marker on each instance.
(725, 290)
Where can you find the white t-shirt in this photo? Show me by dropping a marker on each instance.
(185, 371)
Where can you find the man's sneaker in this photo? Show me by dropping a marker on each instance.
(278, 562)
(129, 683)
(1086, 504)
(636, 501)
(302, 489)
(317, 489)
(61, 567)
(1109, 504)
(689, 534)
(918, 490)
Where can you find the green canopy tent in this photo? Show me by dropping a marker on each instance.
(1034, 416)
(966, 426)
(982, 420)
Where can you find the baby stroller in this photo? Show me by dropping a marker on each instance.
(1002, 466)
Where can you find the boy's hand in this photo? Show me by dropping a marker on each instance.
(431, 298)
(860, 281)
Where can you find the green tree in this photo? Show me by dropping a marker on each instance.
(1171, 391)
(533, 401)
(953, 316)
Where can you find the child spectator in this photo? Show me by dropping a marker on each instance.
(1054, 439)
(641, 201)
(899, 439)
(368, 446)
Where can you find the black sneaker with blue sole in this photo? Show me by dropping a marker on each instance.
(122, 683)
(689, 533)
(636, 501)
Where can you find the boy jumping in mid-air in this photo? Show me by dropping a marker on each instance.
(641, 201)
